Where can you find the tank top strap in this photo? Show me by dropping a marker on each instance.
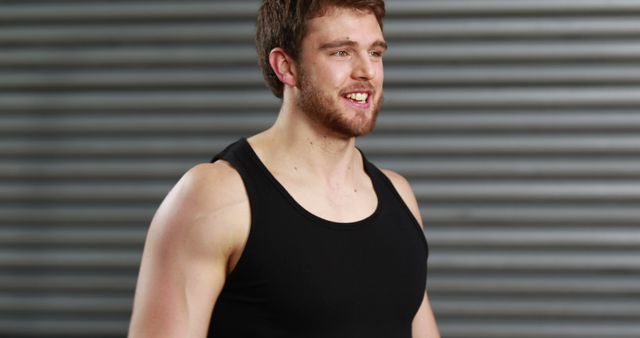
(240, 156)
(388, 193)
(379, 180)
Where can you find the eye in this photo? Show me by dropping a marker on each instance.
(341, 53)
(376, 53)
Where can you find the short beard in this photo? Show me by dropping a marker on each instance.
(325, 111)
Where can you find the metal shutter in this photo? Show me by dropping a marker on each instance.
(516, 122)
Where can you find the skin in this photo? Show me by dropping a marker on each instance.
(201, 228)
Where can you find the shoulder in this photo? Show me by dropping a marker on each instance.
(399, 182)
(403, 187)
(206, 189)
(211, 186)
(206, 209)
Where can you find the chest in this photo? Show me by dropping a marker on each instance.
(342, 203)
(312, 274)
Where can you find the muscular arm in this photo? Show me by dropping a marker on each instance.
(424, 323)
(192, 241)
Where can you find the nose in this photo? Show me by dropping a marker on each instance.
(364, 68)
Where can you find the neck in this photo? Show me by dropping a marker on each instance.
(296, 143)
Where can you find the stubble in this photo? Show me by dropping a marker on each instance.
(325, 110)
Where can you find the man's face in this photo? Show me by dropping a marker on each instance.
(340, 72)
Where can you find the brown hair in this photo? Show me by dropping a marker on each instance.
(283, 23)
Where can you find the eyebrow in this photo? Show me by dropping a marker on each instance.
(350, 43)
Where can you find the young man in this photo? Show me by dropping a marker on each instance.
(292, 232)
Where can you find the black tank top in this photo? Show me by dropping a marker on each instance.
(303, 276)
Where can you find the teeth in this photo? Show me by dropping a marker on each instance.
(360, 97)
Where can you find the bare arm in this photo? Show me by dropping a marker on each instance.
(197, 231)
(424, 323)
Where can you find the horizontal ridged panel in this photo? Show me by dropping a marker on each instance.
(230, 77)
(75, 283)
(434, 122)
(385, 145)
(217, 32)
(515, 51)
(398, 99)
(134, 11)
(516, 122)
(444, 191)
(574, 285)
(154, 10)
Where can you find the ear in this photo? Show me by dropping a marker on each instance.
(283, 66)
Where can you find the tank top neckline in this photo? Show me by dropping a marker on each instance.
(311, 216)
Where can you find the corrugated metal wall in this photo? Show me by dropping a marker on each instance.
(518, 123)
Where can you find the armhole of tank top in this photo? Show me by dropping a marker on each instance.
(404, 205)
(252, 216)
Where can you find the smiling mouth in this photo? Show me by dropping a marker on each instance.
(358, 97)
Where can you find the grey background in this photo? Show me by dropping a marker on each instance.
(517, 122)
